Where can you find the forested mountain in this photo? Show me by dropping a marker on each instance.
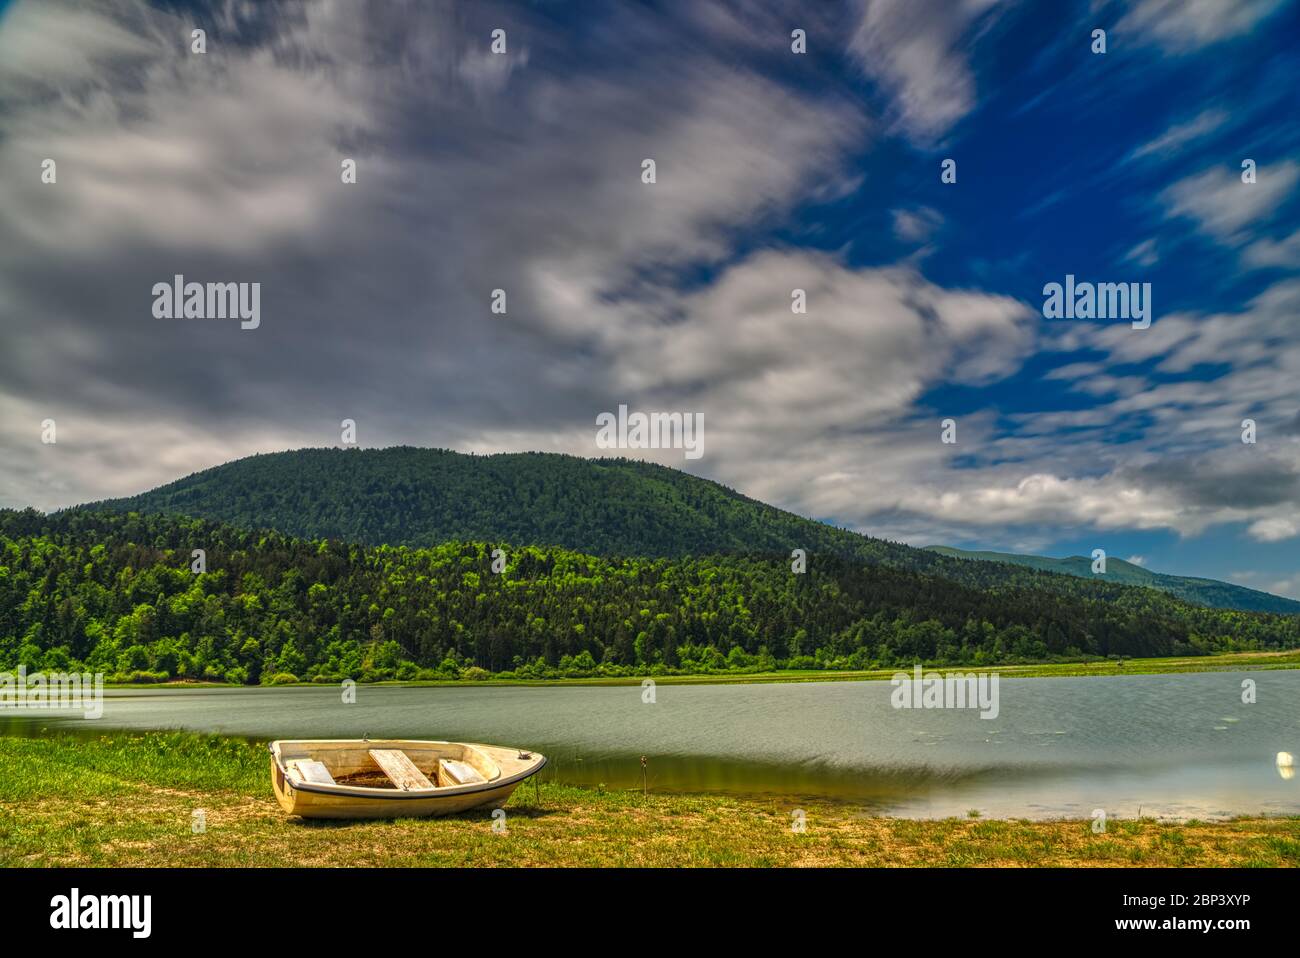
(605, 507)
(409, 496)
(1211, 592)
(116, 593)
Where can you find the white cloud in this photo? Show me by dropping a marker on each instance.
(1260, 335)
(1223, 206)
(1181, 26)
(1288, 586)
(916, 225)
(1144, 253)
(1190, 470)
(102, 455)
(1181, 134)
(488, 72)
(913, 48)
(1264, 253)
(817, 411)
(51, 44)
(1274, 530)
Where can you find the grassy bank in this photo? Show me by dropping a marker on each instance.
(129, 800)
(1228, 662)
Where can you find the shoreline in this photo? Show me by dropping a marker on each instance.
(186, 800)
(1174, 665)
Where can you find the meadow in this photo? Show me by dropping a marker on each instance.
(180, 799)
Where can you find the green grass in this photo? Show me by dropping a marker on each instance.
(128, 799)
(1227, 662)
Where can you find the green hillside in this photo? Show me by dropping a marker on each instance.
(604, 507)
(116, 593)
(410, 496)
(1209, 592)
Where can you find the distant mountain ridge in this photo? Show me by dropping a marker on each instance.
(608, 507)
(1209, 592)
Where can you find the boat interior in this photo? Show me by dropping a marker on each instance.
(398, 765)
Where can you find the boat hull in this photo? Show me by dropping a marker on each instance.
(312, 800)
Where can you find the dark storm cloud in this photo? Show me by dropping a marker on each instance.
(476, 171)
(1251, 485)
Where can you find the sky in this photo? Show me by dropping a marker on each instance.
(521, 169)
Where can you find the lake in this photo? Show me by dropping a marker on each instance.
(1170, 745)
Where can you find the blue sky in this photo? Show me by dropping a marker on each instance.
(520, 170)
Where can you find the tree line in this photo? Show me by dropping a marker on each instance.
(116, 593)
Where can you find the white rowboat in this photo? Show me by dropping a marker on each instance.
(391, 778)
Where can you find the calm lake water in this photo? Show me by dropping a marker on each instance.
(1170, 745)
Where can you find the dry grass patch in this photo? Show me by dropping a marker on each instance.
(129, 800)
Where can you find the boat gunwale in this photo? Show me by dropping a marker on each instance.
(386, 794)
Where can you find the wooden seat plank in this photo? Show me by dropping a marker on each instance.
(451, 772)
(309, 770)
(399, 768)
